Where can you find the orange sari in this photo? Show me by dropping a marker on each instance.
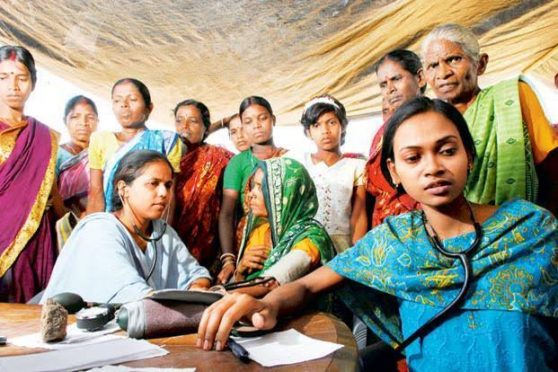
(387, 200)
(199, 190)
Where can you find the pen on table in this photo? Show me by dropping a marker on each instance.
(239, 351)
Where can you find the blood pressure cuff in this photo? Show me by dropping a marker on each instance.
(159, 316)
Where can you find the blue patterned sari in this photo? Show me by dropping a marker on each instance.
(504, 322)
(162, 141)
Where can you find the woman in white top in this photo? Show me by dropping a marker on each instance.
(339, 179)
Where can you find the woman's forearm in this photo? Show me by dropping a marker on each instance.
(96, 196)
(292, 297)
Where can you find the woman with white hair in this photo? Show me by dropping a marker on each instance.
(515, 142)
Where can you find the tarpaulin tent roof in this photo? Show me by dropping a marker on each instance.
(287, 51)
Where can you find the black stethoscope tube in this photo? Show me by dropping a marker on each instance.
(437, 319)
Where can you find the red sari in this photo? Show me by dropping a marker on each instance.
(199, 190)
(388, 201)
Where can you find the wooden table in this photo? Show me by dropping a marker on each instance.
(18, 320)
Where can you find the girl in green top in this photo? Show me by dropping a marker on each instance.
(258, 120)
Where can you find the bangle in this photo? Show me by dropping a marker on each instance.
(225, 255)
(229, 262)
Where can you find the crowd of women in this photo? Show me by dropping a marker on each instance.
(443, 242)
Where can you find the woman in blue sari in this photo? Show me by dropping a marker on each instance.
(131, 104)
(498, 294)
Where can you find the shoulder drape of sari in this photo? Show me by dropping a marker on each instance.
(291, 202)
(198, 200)
(514, 269)
(26, 179)
(73, 182)
(387, 200)
(162, 141)
(504, 168)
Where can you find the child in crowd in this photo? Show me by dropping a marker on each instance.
(339, 180)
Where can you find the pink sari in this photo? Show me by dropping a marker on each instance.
(73, 182)
(27, 251)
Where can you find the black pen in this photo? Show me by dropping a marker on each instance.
(239, 351)
(3, 340)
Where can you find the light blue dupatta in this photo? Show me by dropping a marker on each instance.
(162, 141)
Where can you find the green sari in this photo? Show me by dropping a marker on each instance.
(291, 202)
(505, 168)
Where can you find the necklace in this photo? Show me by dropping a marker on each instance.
(463, 256)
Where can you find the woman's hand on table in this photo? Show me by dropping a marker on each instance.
(219, 318)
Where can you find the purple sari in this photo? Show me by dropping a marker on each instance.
(73, 182)
(27, 252)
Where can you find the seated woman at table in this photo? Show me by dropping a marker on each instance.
(124, 255)
(281, 238)
(258, 121)
(400, 279)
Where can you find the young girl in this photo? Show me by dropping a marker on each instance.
(131, 104)
(339, 180)
(500, 270)
(281, 239)
(258, 122)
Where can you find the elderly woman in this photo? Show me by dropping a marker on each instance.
(515, 142)
(199, 186)
(282, 240)
(125, 255)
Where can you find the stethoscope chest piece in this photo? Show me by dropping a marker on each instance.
(94, 318)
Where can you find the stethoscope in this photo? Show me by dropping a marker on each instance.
(147, 239)
(464, 258)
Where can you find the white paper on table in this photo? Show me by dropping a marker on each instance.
(136, 369)
(74, 337)
(93, 355)
(287, 347)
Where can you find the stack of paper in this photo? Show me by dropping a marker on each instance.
(287, 347)
(82, 357)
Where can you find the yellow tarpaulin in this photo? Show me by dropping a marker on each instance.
(287, 51)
